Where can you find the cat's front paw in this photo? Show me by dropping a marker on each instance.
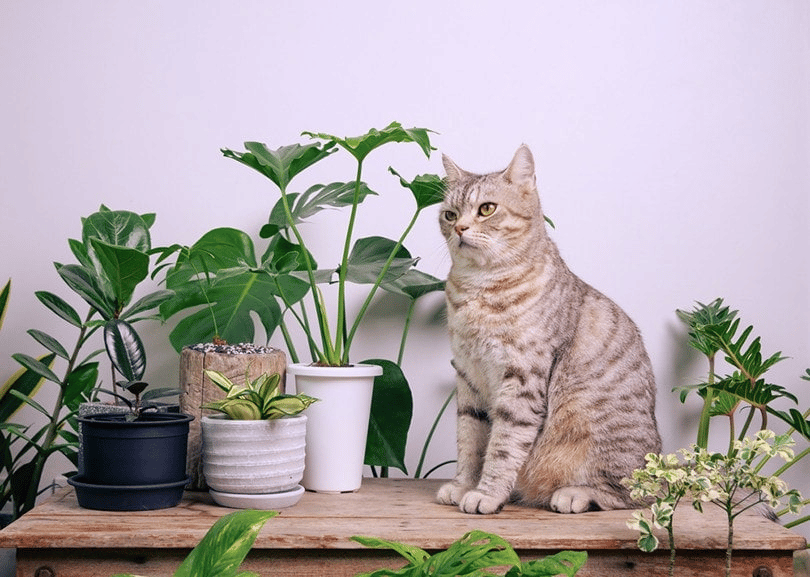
(571, 500)
(476, 502)
(451, 493)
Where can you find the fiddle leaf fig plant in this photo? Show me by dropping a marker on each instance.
(258, 399)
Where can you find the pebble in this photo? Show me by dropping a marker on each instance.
(237, 349)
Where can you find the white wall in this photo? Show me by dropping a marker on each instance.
(672, 143)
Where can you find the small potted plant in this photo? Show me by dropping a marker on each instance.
(253, 451)
(135, 460)
(337, 433)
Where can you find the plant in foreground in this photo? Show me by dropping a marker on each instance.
(474, 554)
(731, 482)
(258, 399)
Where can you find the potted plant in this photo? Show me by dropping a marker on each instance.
(134, 460)
(338, 425)
(113, 257)
(222, 271)
(253, 451)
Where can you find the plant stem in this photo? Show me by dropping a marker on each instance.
(380, 278)
(344, 265)
(421, 463)
(53, 424)
(327, 346)
(705, 415)
(405, 330)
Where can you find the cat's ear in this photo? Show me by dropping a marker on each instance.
(454, 173)
(521, 169)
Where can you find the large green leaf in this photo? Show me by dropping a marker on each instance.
(219, 280)
(86, 285)
(427, 189)
(40, 367)
(225, 545)
(391, 414)
(118, 228)
(122, 268)
(414, 284)
(361, 146)
(317, 198)
(49, 343)
(369, 255)
(80, 382)
(26, 381)
(125, 349)
(58, 306)
(282, 164)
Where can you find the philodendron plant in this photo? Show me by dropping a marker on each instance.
(223, 283)
(258, 399)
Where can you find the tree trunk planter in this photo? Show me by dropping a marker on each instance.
(338, 424)
(231, 360)
(254, 464)
(132, 465)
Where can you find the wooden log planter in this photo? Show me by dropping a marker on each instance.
(234, 361)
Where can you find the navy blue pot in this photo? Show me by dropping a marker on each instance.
(146, 456)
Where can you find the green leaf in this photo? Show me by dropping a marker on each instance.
(49, 343)
(147, 303)
(414, 284)
(317, 198)
(225, 545)
(361, 146)
(369, 255)
(282, 164)
(25, 381)
(219, 273)
(391, 414)
(125, 349)
(80, 382)
(562, 563)
(123, 269)
(118, 228)
(86, 285)
(39, 367)
(4, 294)
(58, 306)
(414, 555)
(427, 189)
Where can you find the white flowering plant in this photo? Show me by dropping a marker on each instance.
(729, 481)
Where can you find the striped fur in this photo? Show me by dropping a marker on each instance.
(556, 394)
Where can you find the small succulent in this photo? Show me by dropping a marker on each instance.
(258, 399)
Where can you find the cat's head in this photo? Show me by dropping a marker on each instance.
(491, 219)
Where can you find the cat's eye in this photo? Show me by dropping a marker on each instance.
(487, 209)
(449, 215)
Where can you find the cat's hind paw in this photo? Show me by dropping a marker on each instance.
(450, 493)
(476, 502)
(571, 500)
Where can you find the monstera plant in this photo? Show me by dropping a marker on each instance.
(221, 281)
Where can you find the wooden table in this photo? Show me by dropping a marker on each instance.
(58, 539)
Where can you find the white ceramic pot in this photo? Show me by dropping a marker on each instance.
(253, 457)
(338, 424)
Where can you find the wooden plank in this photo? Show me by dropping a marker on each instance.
(313, 537)
(330, 563)
(397, 509)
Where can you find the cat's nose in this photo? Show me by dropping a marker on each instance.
(460, 229)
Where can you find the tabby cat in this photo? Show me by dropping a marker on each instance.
(556, 394)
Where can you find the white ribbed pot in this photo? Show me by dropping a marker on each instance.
(338, 424)
(253, 457)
